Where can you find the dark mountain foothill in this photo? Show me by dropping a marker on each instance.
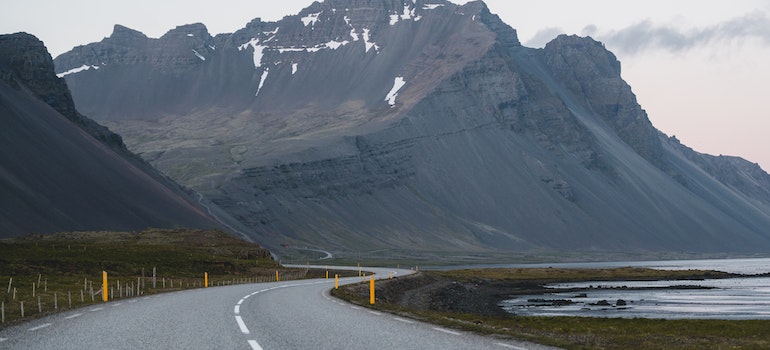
(416, 128)
(61, 171)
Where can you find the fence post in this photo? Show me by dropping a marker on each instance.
(55, 301)
(154, 277)
(22, 309)
(10, 281)
(69, 298)
(2, 312)
(39, 305)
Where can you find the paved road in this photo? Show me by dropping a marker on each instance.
(283, 315)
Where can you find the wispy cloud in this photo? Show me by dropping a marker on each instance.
(543, 36)
(648, 35)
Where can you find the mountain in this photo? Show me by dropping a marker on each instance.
(415, 127)
(60, 171)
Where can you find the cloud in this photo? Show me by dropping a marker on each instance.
(543, 36)
(648, 35)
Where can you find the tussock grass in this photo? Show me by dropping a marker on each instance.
(583, 332)
(62, 266)
(558, 275)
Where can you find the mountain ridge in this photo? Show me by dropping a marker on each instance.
(421, 126)
(61, 171)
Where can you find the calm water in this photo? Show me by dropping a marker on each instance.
(735, 298)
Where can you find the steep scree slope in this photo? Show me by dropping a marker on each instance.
(60, 171)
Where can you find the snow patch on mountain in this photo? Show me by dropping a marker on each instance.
(310, 19)
(262, 82)
(336, 44)
(408, 13)
(258, 51)
(431, 6)
(197, 54)
(394, 19)
(82, 68)
(398, 83)
(369, 44)
(353, 33)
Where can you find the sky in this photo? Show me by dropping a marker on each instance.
(699, 68)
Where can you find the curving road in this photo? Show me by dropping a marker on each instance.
(282, 315)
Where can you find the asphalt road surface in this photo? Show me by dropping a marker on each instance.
(281, 315)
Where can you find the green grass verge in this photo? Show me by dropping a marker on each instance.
(51, 273)
(584, 332)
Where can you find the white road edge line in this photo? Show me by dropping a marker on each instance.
(509, 346)
(237, 309)
(402, 320)
(73, 316)
(96, 309)
(39, 327)
(244, 329)
(254, 345)
(3, 339)
(375, 313)
(446, 331)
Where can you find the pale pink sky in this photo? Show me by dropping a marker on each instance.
(699, 68)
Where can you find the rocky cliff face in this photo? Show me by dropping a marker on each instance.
(592, 74)
(60, 171)
(24, 61)
(414, 127)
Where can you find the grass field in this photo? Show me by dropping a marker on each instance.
(584, 332)
(50, 273)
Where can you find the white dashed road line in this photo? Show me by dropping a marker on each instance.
(237, 309)
(375, 313)
(3, 339)
(402, 320)
(244, 329)
(73, 316)
(96, 309)
(509, 346)
(446, 331)
(39, 327)
(254, 345)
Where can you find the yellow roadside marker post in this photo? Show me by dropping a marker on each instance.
(205, 280)
(276, 276)
(104, 286)
(336, 281)
(371, 291)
